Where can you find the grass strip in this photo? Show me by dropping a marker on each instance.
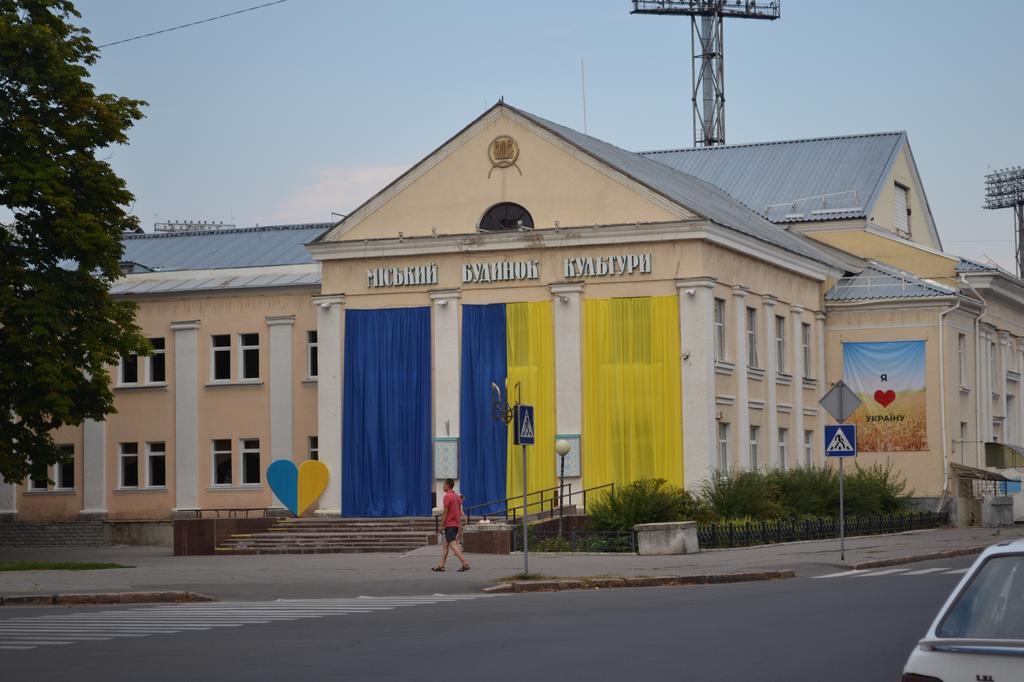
(57, 566)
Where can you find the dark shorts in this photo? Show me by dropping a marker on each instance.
(451, 533)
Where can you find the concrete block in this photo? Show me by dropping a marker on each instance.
(676, 537)
(997, 512)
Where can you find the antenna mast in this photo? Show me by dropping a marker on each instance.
(708, 49)
(1005, 189)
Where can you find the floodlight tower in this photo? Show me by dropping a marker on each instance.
(707, 47)
(1005, 189)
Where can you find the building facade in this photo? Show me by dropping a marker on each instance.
(671, 314)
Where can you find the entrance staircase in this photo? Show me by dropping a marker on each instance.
(334, 536)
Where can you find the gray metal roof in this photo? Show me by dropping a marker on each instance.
(130, 286)
(827, 178)
(966, 265)
(694, 193)
(241, 248)
(879, 281)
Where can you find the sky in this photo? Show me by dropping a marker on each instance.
(292, 112)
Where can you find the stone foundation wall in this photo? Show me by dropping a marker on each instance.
(51, 534)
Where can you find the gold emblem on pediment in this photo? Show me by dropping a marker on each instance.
(503, 151)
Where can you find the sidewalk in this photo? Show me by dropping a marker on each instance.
(351, 575)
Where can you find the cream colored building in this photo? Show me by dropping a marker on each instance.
(778, 258)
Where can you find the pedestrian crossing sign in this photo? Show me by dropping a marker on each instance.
(525, 430)
(841, 440)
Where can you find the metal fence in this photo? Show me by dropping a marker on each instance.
(746, 533)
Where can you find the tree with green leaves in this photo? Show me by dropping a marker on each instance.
(62, 214)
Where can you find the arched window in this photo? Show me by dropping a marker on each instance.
(504, 217)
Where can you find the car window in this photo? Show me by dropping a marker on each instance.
(992, 604)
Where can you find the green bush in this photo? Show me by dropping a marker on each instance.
(740, 494)
(644, 501)
(805, 492)
(875, 490)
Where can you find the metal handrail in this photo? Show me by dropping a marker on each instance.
(554, 501)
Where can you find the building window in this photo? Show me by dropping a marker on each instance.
(222, 462)
(129, 469)
(313, 359)
(783, 437)
(250, 461)
(249, 346)
(158, 362)
(805, 348)
(961, 357)
(129, 370)
(723, 447)
(719, 329)
(993, 366)
(808, 448)
(754, 432)
(314, 448)
(505, 217)
(963, 442)
(221, 345)
(901, 210)
(156, 465)
(751, 337)
(37, 483)
(780, 344)
(66, 468)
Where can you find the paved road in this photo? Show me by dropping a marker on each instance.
(849, 626)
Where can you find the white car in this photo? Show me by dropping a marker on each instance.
(978, 635)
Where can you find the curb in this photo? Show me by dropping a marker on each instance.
(96, 598)
(896, 561)
(640, 581)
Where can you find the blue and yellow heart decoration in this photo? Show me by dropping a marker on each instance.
(297, 487)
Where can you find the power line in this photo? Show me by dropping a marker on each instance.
(194, 23)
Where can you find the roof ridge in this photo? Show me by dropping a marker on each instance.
(237, 230)
(823, 138)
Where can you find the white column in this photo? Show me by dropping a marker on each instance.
(568, 306)
(741, 437)
(985, 387)
(1002, 355)
(823, 384)
(447, 375)
(330, 335)
(797, 372)
(771, 403)
(697, 345)
(279, 330)
(94, 466)
(8, 499)
(1019, 417)
(186, 415)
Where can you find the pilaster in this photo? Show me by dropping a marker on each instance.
(568, 309)
(330, 334)
(186, 415)
(771, 370)
(797, 364)
(447, 363)
(741, 432)
(697, 374)
(280, 330)
(94, 467)
(823, 384)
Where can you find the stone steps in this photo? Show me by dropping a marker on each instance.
(333, 536)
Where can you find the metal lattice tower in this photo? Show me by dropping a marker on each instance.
(709, 50)
(1005, 189)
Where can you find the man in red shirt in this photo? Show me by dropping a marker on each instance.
(452, 526)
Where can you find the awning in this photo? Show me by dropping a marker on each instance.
(1004, 455)
(965, 472)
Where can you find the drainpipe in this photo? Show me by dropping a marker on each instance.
(942, 405)
(977, 369)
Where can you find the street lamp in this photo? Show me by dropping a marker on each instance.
(562, 447)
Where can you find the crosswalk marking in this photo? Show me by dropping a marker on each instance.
(958, 571)
(925, 571)
(30, 632)
(900, 572)
(841, 574)
(887, 571)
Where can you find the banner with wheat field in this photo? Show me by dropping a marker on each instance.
(889, 377)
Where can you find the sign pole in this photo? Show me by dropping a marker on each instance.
(842, 515)
(526, 549)
(841, 442)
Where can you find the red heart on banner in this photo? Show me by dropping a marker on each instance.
(885, 398)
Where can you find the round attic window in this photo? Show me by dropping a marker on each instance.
(505, 217)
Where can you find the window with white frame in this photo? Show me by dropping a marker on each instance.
(250, 461)
(314, 448)
(805, 348)
(961, 358)
(901, 209)
(719, 329)
(312, 355)
(157, 362)
(752, 337)
(993, 366)
(39, 481)
(156, 465)
(780, 344)
(129, 372)
(222, 461)
(962, 445)
(723, 447)
(754, 432)
(128, 471)
(783, 437)
(249, 348)
(65, 469)
(808, 448)
(220, 349)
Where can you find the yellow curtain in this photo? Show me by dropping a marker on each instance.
(632, 402)
(531, 363)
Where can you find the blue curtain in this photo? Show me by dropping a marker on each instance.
(386, 468)
(482, 446)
